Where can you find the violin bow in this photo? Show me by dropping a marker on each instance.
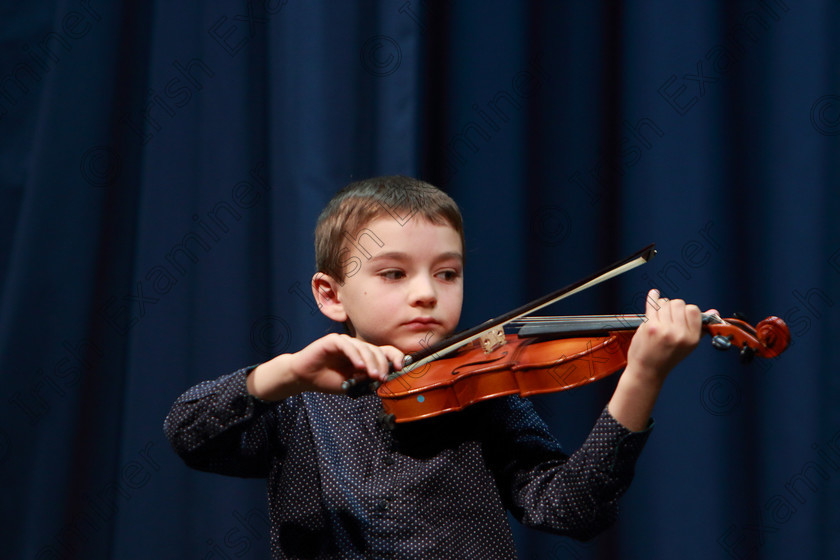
(452, 343)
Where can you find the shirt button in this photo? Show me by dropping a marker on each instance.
(382, 505)
(388, 460)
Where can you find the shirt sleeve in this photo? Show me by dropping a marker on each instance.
(546, 489)
(218, 426)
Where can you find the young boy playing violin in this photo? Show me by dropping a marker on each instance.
(340, 485)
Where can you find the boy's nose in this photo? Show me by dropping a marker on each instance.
(423, 291)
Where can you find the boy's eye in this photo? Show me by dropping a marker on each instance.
(392, 274)
(449, 275)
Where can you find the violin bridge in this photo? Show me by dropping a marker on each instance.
(492, 339)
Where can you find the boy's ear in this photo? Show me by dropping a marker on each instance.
(325, 290)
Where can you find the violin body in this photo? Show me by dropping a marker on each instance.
(521, 366)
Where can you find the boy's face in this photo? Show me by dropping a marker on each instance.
(409, 288)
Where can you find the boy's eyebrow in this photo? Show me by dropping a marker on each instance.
(395, 255)
(450, 255)
(400, 256)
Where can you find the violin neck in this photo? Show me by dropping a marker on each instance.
(583, 324)
(576, 325)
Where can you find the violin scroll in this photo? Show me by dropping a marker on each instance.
(768, 339)
(774, 336)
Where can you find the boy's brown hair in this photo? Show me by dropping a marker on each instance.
(356, 205)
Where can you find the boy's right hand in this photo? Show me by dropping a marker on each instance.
(323, 366)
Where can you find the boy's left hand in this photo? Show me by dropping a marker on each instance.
(672, 330)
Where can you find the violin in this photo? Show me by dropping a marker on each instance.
(516, 354)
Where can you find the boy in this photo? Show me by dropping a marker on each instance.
(339, 484)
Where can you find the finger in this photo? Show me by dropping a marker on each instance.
(694, 320)
(665, 312)
(676, 308)
(380, 364)
(683, 325)
(373, 359)
(652, 304)
(360, 356)
(395, 356)
(383, 366)
(343, 344)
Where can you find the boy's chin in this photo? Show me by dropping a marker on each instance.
(408, 343)
(410, 349)
(414, 346)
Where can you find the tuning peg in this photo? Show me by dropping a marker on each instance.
(740, 316)
(721, 342)
(747, 354)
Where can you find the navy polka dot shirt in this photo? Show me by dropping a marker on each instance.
(341, 486)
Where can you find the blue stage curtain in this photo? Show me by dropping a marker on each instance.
(162, 166)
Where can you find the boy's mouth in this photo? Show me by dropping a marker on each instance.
(422, 323)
